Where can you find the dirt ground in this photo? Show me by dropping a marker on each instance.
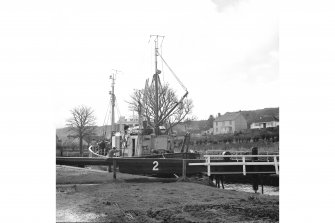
(85, 195)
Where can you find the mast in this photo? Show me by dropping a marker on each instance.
(156, 84)
(156, 89)
(112, 77)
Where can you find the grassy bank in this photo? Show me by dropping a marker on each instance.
(133, 198)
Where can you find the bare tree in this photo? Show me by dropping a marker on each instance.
(188, 122)
(210, 122)
(82, 124)
(143, 102)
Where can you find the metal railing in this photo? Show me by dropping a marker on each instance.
(239, 153)
(244, 162)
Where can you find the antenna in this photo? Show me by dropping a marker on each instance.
(156, 36)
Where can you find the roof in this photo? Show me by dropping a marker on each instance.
(252, 116)
(228, 116)
(266, 119)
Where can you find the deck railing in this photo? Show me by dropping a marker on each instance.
(244, 162)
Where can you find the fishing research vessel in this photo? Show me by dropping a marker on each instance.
(148, 138)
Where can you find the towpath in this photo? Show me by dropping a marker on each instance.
(85, 195)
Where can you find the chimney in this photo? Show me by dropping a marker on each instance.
(219, 114)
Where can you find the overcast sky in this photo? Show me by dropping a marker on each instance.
(224, 51)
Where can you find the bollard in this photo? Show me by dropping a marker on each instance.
(114, 168)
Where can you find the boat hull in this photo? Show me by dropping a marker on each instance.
(158, 166)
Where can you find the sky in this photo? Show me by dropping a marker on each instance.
(224, 51)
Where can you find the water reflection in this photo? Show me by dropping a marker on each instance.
(269, 190)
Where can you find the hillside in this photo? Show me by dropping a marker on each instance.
(63, 133)
(192, 126)
(254, 115)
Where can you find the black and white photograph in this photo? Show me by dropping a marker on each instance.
(168, 111)
(165, 111)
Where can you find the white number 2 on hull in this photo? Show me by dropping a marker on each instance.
(155, 166)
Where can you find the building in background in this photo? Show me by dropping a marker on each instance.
(230, 122)
(265, 122)
(128, 123)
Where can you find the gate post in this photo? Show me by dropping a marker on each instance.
(254, 151)
(184, 169)
(109, 166)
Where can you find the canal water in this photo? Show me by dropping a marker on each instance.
(269, 190)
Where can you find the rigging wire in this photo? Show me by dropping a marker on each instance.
(117, 109)
(161, 47)
(108, 107)
(105, 121)
(179, 81)
(159, 82)
(162, 61)
(151, 58)
(146, 88)
(106, 125)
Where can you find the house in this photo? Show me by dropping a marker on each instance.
(230, 122)
(207, 132)
(265, 122)
(253, 115)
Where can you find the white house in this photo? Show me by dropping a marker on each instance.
(230, 122)
(265, 122)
